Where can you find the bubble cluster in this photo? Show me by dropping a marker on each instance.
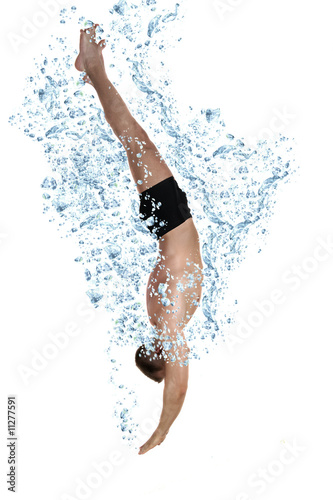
(88, 190)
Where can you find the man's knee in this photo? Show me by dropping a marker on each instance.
(134, 137)
(140, 136)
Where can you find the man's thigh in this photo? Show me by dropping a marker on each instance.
(146, 163)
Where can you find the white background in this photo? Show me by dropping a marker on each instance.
(243, 405)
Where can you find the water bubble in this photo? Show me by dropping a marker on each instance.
(162, 287)
(49, 183)
(94, 295)
(113, 251)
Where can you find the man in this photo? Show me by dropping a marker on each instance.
(174, 286)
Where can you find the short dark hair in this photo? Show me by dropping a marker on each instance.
(149, 363)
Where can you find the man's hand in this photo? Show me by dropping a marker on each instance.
(156, 439)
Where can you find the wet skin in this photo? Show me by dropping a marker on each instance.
(179, 263)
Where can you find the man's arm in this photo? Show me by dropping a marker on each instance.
(175, 387)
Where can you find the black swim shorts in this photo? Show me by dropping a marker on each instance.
(164, 207)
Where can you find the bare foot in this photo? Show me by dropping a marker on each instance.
(90, 55)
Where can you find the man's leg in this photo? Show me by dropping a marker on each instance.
(144, 159)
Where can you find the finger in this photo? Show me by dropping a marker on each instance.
(147, 447)
(102, 44)
(143, 449)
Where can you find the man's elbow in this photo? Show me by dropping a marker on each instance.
(180, 391)
(176, 389)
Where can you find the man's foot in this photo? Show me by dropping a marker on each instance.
(90, 55)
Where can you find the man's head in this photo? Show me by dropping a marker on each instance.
(151, 362)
